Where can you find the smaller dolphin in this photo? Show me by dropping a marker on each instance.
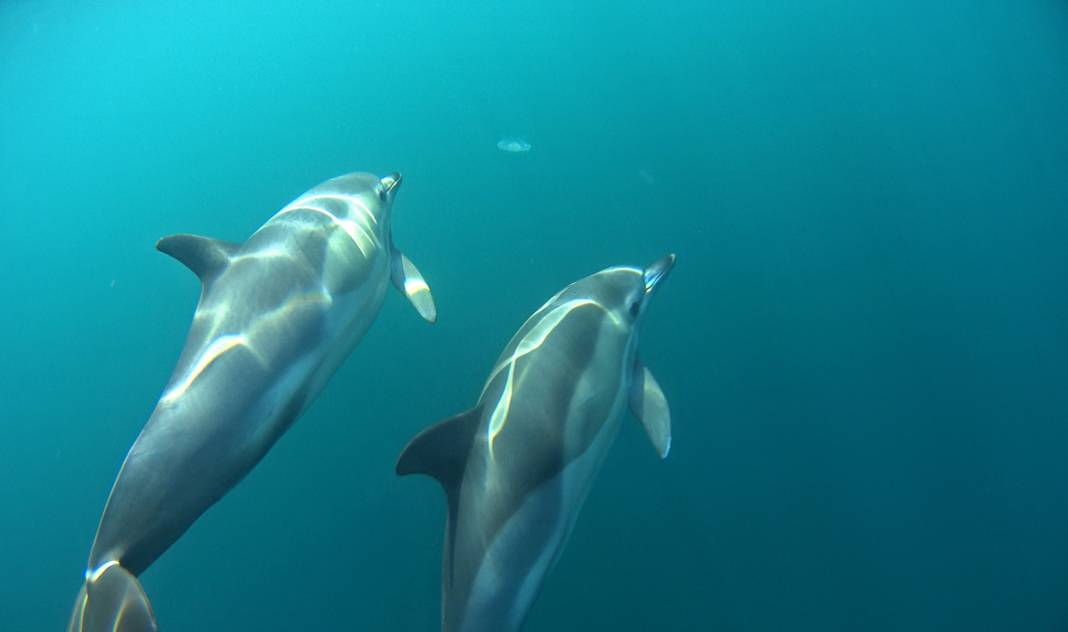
(516, 468)
(277, 315)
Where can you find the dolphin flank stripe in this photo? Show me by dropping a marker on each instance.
(362, 234)
(215, 350)
(530, 342)
(539, 330)
(226, 343)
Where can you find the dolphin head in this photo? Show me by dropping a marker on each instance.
(624, 292)
(387, 187)
(366, 190)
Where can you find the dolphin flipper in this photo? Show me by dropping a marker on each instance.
(407, 279)
(205, 256)
(649, 405)
(112, 600)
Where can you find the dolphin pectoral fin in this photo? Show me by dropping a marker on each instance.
(649, 405)
(441, 450)
(407, 279)
(205, 256)
(112, 600)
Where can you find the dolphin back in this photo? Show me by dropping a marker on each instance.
(112, 600)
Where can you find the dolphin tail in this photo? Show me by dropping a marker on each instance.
(112, 600)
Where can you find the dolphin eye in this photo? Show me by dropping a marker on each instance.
(634, 307)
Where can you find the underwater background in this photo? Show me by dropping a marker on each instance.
(864, 342)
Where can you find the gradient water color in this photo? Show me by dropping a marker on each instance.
(864, 342)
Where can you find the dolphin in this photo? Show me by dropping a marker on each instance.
(277, 315)
(516, 468)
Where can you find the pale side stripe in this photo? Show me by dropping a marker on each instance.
(537, 335)
(222, 344)
(530, 342)
(94, 574)
(361, 232)
(215, 350)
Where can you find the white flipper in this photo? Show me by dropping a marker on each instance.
(407, 279)
(649, 405)
(112, 600)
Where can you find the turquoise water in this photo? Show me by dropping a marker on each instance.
(864, 343)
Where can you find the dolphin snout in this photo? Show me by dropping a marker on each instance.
(391, 182)
(656, 272)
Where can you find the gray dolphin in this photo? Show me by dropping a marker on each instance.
(277, 316)
(516, 468)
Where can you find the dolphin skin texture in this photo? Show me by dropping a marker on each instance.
(277, 315)
(517, 467)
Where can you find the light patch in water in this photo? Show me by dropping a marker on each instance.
(513, 145)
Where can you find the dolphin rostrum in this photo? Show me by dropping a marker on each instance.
(277, 315)
(516, 468)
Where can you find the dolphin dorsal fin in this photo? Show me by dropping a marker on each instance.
(441, 450)
(205, 256)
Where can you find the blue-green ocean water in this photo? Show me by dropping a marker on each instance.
(864, 343)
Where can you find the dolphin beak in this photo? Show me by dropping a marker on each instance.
(656, 272)
(391, 182)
